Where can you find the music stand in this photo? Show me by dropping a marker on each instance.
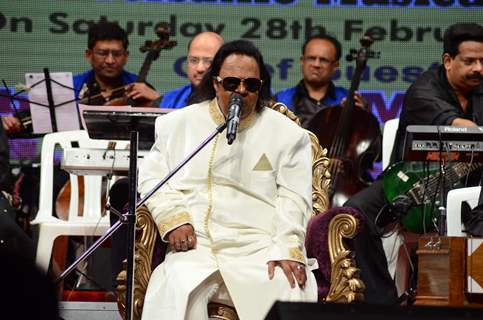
(134, 202)
(120, 120)
(52, 101)
(59, 114)
(120, 123)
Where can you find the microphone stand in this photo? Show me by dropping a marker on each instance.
(442, 189)
(129, 218)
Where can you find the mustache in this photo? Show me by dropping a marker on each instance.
(475, 76)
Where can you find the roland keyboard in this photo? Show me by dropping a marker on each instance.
(81, 161)
(423, 143)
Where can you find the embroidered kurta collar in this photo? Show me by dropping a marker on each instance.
(219, 117)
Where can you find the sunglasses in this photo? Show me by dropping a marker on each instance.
(232, 83)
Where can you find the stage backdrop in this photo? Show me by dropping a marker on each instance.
(407, 33)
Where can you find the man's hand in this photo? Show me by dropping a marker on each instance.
(294, 271)
(11, 124)
(460, 122)
(182, 238)
(138, 90)
(358, 101)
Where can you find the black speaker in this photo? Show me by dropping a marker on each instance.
(336, 311)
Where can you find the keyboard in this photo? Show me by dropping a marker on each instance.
(81, 161)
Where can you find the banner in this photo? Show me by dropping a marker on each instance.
(407, 33)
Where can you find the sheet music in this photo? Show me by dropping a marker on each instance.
(66, 115)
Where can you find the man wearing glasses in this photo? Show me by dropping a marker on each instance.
(201, 50)
(319, 62)
(107, 53)
(235, 216)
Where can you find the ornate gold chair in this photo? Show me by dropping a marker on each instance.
(337, 278)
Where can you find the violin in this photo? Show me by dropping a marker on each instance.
(153, 49)
(352, 134)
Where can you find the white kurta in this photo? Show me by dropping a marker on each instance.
(248, 202)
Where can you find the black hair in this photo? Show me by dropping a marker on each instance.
(106, 31)
(206, 91)
(458, 33)
(331, 39)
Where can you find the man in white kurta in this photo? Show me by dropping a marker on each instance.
(248, 203)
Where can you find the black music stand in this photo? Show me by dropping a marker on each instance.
(120, 120)
(117, 116)
(51, 105)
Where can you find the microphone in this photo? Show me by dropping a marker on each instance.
(235, 106)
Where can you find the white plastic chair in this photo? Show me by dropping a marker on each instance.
(388, 138)
(90, 223)
(392, 243)
(453, 208)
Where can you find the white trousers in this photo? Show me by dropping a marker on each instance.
(212, 289)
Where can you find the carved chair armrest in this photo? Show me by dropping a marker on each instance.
(146, 236)
(337, 277)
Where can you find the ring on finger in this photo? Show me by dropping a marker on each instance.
(299, 267)
(190, 239)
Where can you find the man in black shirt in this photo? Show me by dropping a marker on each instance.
(319, 62)
(449, 95)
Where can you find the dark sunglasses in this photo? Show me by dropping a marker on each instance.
(232, 83)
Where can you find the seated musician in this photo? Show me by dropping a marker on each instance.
(201, 50)
(319, 62)
(107, 52)
(235, 216)
(449, 95)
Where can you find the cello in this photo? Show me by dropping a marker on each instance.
(353, 146)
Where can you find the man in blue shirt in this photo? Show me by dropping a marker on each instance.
(201, 50)
(107, 53)
(319, 62)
